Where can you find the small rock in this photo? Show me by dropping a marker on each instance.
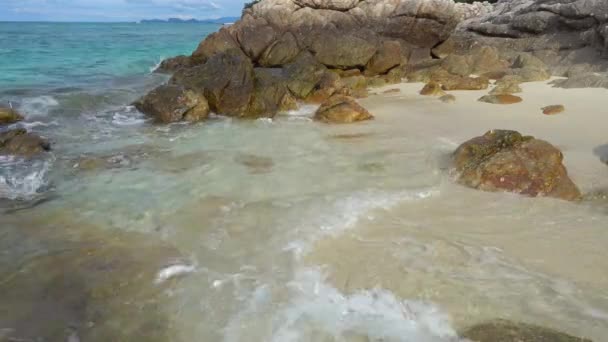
(341, 109)
(506, 331)
(500, 99)
(9, 116)
(465, 83)
(432, 89)
(448, 98)
(507, 85)
(553, 109)
(21, 143)
(392, 91)
(256, 164)
(172, 103)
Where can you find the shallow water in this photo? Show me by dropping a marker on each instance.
(280, 230)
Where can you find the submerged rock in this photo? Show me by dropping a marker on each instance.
(507, 85)
(507, 331)
(554, 109)
(432, 89)
(341, 109)
(68, 281)
(449, 98)
(21, 143)
(9, 116)
(500, 99)
(172, 103)
(503, 160)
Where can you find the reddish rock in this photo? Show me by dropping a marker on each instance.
(554, 109)
(503, 160)
(500, 99)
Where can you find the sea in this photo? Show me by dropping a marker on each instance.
(278, 230)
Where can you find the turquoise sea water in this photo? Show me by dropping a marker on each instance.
(36, 55)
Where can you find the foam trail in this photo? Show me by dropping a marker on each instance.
(332, 219)
(316, 310)
(38, 106)
(173, 271)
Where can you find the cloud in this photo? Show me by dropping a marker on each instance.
(116, 10)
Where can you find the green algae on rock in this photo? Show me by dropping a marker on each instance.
(503, 160)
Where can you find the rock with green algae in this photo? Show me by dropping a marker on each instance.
(341, 109)
(19, 142)
(173, 103)
(503, 160)
(9, 116)
(507, 331)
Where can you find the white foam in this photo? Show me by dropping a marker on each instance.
(307, 110)
(315, 310)
(21, 180)
(157, 65)
(38, 106)
(333, 218)
(173, 271)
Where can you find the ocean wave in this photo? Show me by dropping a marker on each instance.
(157, 65)
(331, 217)
(23, 179)
(128, 117)
(316, 310)
(38, 106)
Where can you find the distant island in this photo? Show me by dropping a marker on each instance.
(223, 20)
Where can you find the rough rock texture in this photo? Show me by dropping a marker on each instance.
(432, 89)
(341, 109)
(172, 103)
(9, 116)
(559, 32)
(21, 143)
(502, 160)
(553, 109)
(500, 99)
(506, 331)
(304, 40)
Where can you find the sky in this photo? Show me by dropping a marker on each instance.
(116, 10)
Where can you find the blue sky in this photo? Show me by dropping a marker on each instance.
(115, 10)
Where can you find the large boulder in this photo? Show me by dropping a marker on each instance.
(388, 56)
(502, 160)
(334, 49)
(9, 116)
(254, 35)
(226, 80)
(304, 75)
(172, 103)
(216, 43)
(21, 143)
(506, 331)
(280, 52)
(270, 92)
(559, 32)
(341, 109)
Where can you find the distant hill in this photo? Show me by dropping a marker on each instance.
(223, 20)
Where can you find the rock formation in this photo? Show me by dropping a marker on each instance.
(503, 160)
(562, 33)
(282, 51)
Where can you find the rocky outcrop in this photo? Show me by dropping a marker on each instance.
(9, 116)
(561, 33)
(315, 48)
(172, 103)
(503, 160)
(19, 142)
(341, 109)
(507, 331)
